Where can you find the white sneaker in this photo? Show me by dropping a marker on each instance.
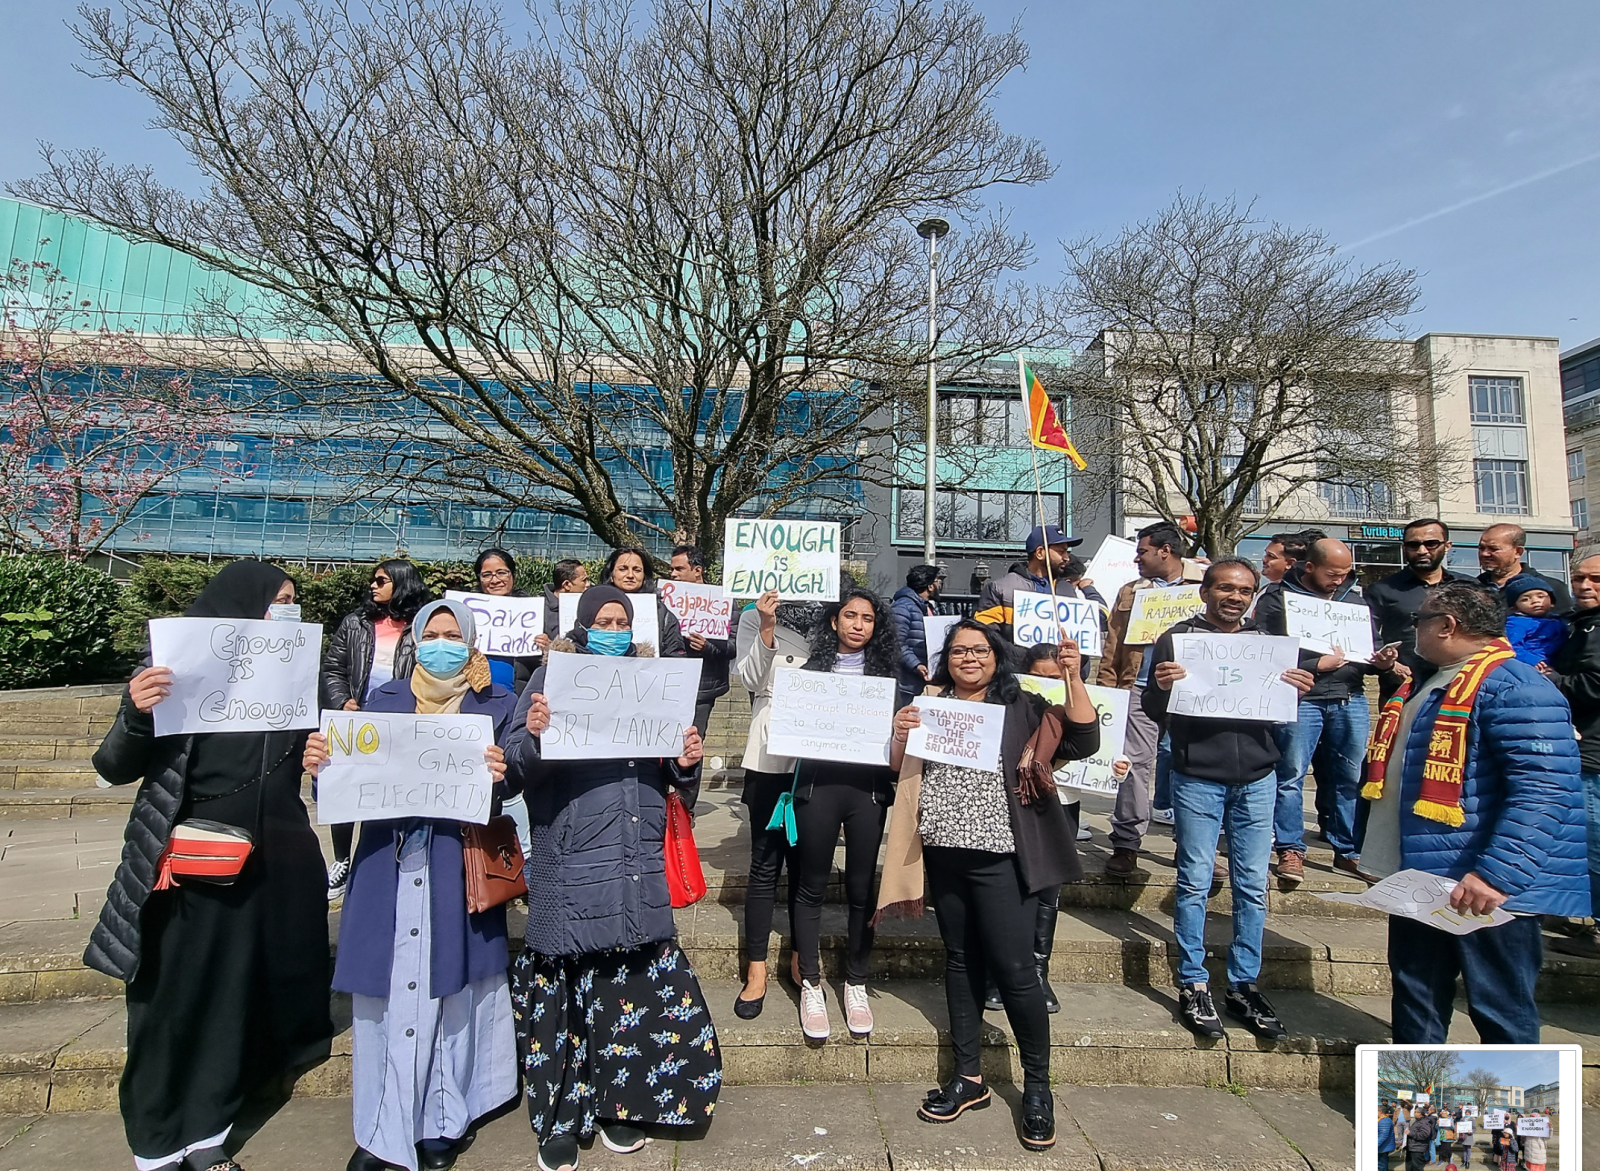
(814, 1012)
(338, 876)
(1083, 833)
(857, 1012)
(1164, 816)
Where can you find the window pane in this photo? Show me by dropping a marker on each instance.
(1495, 400)
(910, 519)
(992, 516)
(1502, 485)
(958, 517)
(1575, 465)
(1580, 513)
(1019, 517)
(1016, 423)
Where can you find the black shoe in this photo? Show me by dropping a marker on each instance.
(621, 1138)
(949, 1102)
(1198, 1013)
(1245, 1002)
(1038, 1119)
(748, 1010)
(991, 999)
(365, 1160)
(440, 1154)
(558, 1152)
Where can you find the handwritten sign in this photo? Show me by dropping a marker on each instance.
(1095, 774)
(1416, 894)
(236, 674)
(646, 618)
(819, 716)
(1494, 1120)
(1534, 1126)
(1325, 625)
(611, 708)
(701, 609)
(935, 629)
(1038, 618)
(1469, 1111)
(388, 765)
(798, 558)
(1157, 609)
(505, 626)
(1235, 677)
(1112, 566)
(957, 731)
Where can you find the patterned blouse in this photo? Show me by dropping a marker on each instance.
(964, 809)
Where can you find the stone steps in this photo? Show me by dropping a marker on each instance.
(44, 746)
(113, 802)
(77, 775)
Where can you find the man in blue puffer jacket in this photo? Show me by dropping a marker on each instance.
(1521, 841)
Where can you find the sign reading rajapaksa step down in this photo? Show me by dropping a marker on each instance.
(816, 715)
(700, 609)
(605, 708)
(505, 625)
(1235, 677)
(388, 765)
(798, 558)
(236, 674)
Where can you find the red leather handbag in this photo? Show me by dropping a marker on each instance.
(686, 882)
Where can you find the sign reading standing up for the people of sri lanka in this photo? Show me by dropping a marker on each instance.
(798, 558)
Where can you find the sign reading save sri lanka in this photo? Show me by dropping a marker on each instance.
(798, 558)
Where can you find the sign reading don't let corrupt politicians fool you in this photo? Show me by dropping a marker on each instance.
(798, 558)
(605, 708)
(236, 674)
(387, 765)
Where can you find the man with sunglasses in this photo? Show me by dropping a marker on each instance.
(1425, 545)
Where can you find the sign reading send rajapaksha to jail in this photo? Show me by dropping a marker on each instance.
(604, 708)
(236, 674)
(1235, 677)
(798, 558)
(387, 765)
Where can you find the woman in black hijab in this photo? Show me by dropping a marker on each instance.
(227, 986)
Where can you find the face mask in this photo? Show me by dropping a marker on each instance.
(610, 642)
(283, 612)
(443, 657)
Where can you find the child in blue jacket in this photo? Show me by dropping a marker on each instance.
(1535, 632)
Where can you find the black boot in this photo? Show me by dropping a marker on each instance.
(1044, 940)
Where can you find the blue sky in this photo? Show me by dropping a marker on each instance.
(1525, 1068)
(1459, 137)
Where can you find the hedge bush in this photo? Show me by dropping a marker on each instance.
(57, 623)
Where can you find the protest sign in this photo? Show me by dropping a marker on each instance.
(236, 674)
(820, 716)
(1037, 618)
(388, 765)
(936, 629)
(1494, 1120)
(1416, 894)
(957, 731)
(1235, 677)
(1053, 690)
(700, 609)
(1533, 1126)
(505, 626)
(798, 558)
(1323, 625)
(646, 618)
(1158, 608)
(604, 708)
(1094, 774)
(1112, 566)
(1469, 1111)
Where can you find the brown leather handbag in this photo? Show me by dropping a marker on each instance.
(493, 860)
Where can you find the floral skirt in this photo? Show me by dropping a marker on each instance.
(619, 1035)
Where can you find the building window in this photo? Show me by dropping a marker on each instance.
(1496, 400)
(1575, 465)
(1502, 486)
(1580, 513)
(975, 518)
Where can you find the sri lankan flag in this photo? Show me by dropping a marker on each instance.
(1043, 427)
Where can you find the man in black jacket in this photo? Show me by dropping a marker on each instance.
(1396, 599)
(1222, 774)
(1576, 671)
(1424, 1129)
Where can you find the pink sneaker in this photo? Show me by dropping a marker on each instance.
(814, 1012)
(857, 1012)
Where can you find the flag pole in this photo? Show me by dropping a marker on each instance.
(1038, 496)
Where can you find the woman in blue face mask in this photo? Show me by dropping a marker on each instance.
(434, 1044)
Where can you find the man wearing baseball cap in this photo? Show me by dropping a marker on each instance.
(1048, 551)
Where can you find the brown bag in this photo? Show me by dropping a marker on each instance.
(493, 859)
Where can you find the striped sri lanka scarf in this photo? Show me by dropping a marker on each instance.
(1445, 768)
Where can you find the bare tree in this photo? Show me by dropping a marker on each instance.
(1419, 1067)
(1241, 370)
(615, 240)
(1483, 1082)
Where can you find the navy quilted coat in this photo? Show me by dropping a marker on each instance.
(1524, 832)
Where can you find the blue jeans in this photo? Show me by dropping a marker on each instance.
(1201, 808)
(1499, 966)
(1330, 736)
(1591, 808)
(1163, 797)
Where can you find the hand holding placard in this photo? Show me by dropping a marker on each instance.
(1324, 625)
(604, 708)
(821, 716)
(1159, 608)
(798, 558)
(700, 609)
(506, 626)
(1038, 619)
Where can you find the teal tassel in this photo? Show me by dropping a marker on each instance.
(783, 817)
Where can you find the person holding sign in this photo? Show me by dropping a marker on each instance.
(989, 842)
(715, 654)
(628, 569)
(1048, 551)
(612, 1025)
(227, 976)
(433, 1047)
(497, 576)
(1222, 775)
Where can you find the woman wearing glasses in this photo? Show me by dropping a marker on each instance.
(497, 576)
(989, 842)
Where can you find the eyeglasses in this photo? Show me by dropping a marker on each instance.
(381, 581)
(1419, 618)
(976, 653)
(1430, 546)
(494, 575)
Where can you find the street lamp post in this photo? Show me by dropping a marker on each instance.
(932, 230)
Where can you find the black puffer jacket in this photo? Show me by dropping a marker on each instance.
(347, 660)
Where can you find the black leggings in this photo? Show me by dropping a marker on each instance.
(831, 805)
(987, 921)
(769, 849)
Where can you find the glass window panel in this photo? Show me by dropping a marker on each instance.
(1495, 400)
(1502, 486)
(958, 517)
(1576, 469)
(992, 523)
(910, 519)
(1016, 422)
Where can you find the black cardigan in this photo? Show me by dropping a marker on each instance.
(1047, 847)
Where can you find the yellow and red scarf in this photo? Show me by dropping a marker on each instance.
(1445, 767)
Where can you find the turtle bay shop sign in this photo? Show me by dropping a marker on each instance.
(1381, 532)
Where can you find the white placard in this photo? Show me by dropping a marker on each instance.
(506, 626)
(236, 674)
(798, 558)
(1235, 677)
(1112, 566)
(1533, 1126)
(384, 766)
(1494, 1120)
(1037, 618)
(1469, 1110)
(1157, 609)
(1416, 894)
(610, 708)
(700, 609)
(1323, 625)
(935, 629)
(1094, 774)
(646, 618)
(957, 731)
(816, 715)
